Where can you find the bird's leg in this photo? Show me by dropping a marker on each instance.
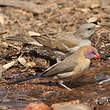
(105, 81)
(61, 83)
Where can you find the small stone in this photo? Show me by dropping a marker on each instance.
(37, 106)
(70, 106)
(95, 18)
(3, 19)
(92, 19)
(84, 10)
(30, 64)
(22, 60)
(32, 33)
(3, 107)
(4, 44)
(95, 6)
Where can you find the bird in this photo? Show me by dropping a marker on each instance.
(69, 41)
(71, 67)
(62, 42)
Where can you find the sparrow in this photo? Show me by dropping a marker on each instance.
(69, 41)
(71, 67)
(64, 41)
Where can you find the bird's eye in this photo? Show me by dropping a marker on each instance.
(89, 29)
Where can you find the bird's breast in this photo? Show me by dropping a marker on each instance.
(84, 64)
(81, 43)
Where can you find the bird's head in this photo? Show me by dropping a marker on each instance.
(90, 52)
(86, 30)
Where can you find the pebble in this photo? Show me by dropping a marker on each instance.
(38, 106)
(59, 106)
(70, 106)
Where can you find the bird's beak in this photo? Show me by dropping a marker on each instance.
(97, 56)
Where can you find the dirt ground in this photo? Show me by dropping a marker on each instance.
(50, 17)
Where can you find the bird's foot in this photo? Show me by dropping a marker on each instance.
(61, 83)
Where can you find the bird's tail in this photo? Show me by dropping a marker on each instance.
(24, 39)
(19, 80)
(18, 38)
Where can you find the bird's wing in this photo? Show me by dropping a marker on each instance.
(60, 68)
(46, 41)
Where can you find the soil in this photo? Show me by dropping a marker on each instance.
(54, 16)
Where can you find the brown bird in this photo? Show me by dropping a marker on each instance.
(71, 67)
(69, 41)
(64, 41)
